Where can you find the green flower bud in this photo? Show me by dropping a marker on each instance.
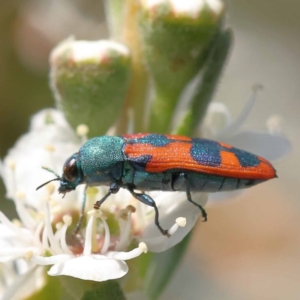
(176, 37)
(90, 81)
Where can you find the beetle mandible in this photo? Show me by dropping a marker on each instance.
(148, 162)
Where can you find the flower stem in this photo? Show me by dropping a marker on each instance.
(136, 93)
(207, 86)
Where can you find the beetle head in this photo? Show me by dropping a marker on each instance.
(71, 177)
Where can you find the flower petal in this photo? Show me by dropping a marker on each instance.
(215, 198)
(92, 267)
(264, 144)
(180, 207)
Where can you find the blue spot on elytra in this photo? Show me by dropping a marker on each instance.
(156, 140)
(207, 153)
(246, 159)
(140, 162)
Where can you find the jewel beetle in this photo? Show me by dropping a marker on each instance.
(148, 162)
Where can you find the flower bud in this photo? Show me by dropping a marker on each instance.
(90, 81)
(176, 37)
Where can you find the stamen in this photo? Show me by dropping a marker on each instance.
(28, 255)
(17, 223)
(23, 212)
(36, 236)
(12, 164)
(274, 124)
(63, 243)
(58, 226)
(49, 148)
(45, 240)
(88, 233)
(50, 260)
(50, 188)
(180, 222)
(140, 215)
(125, 233)
(82, 131)
(57, 234)
(239, 121)
(18, 231)
(161, 239)
(16, 252)
(106, 242)
(142, 248)
(53, 244)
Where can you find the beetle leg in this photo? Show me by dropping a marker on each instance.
(189, 197)
(113, 189)
(149, 201)
(78, 225)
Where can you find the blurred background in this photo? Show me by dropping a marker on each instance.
(250, 248)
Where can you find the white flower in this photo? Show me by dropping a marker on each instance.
(99, 253)
(219, 125)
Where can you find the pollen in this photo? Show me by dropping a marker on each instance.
(28, 255)
(17, 223)
(12, 164)
(181, 222)
(82, 130)
(49, 148)
(58, 225)
(20, 195)
(50, 188)
(131, 208)
(67, 220)
(143, 247)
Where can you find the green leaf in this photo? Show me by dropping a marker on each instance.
(78, 289)
(108, 290)
(51, 290)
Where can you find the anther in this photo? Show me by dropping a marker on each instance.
(20, 195)
(131, 208)
(49, 148)
(143, 247)
(50, 188)
(181, 222)
(58, 225)
(82, 130)
(67, 220)
(17, 223)
(28, 255)
(12, 164)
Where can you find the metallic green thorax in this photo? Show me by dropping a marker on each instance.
(102, 160)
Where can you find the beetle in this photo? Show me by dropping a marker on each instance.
(148, 162)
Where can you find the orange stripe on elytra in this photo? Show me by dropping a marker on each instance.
(176, 156)
(229, 159)
(178, 137)
(225, 145)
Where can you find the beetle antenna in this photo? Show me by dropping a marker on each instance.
(55, 179)
(51, 171)
(46, 183)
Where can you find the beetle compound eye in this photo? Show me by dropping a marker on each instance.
(70, 169)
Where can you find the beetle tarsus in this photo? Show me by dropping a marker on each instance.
(189, 197)
(146, 199)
